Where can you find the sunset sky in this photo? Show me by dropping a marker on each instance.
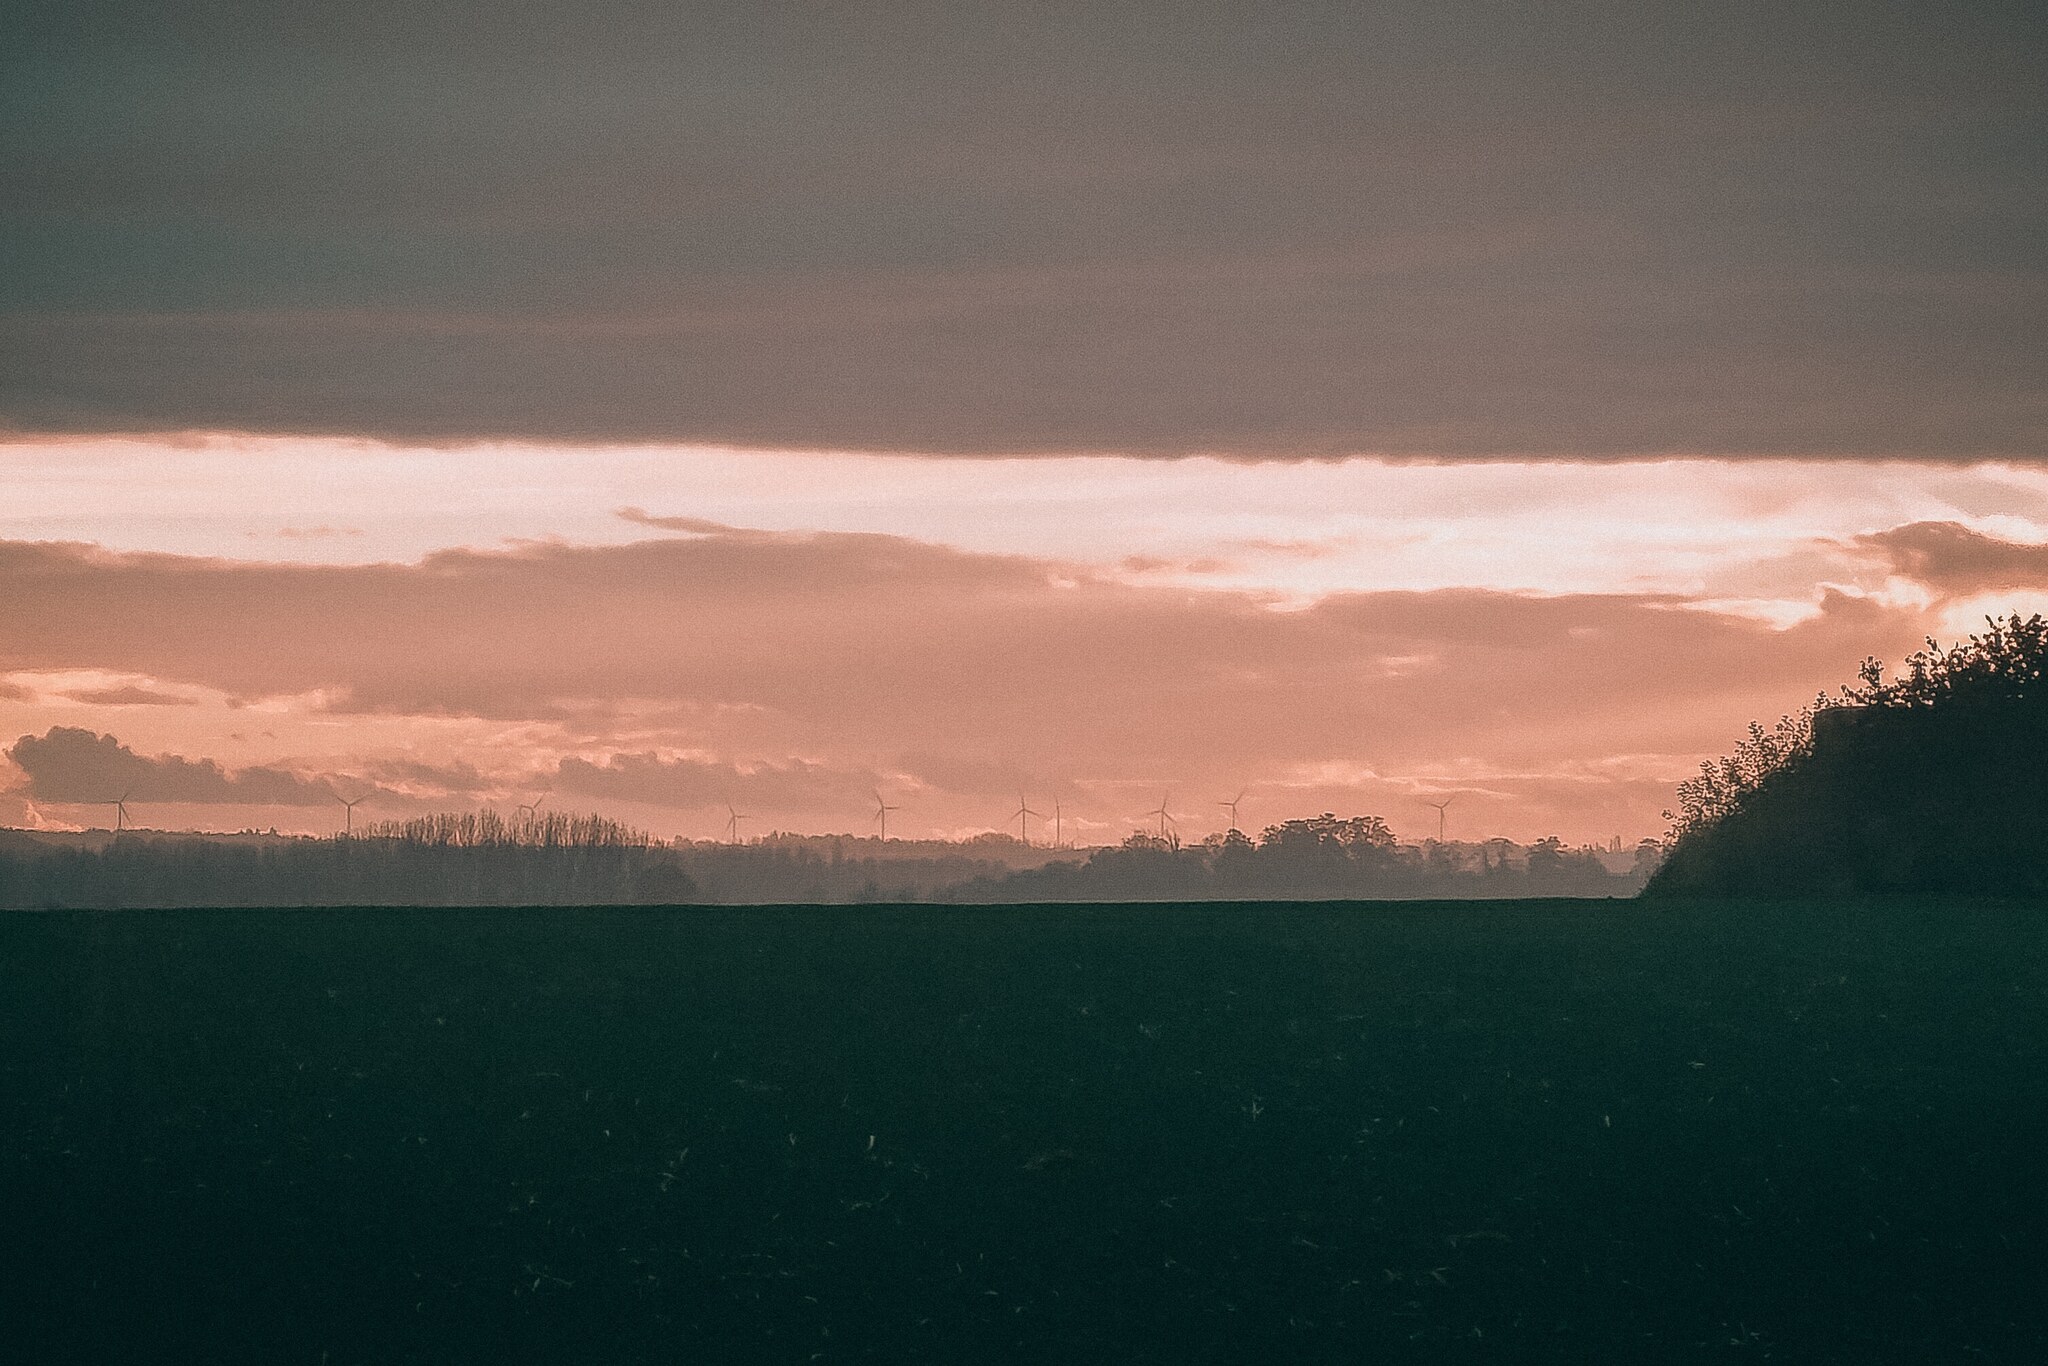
(671, 406)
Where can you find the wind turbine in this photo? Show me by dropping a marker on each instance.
(1439, 817)
(1232, 804)
(349, 821)
(1165, 818)
(882, 810)
(532, 808)
(120, 805)
(732, 824)
(1024, 813)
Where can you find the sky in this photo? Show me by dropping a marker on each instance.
(671, 408)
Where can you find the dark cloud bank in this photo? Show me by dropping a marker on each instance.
(72, 765)
(1275, 229)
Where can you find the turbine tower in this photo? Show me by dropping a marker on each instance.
(732, 823)
(1439, 817)
(349, 808)
(1057, 817)
(882, 810)
(1165, 817)
(120, 805)
(1232, 804)
(1024, 813)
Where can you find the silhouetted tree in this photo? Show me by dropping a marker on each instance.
(1934, 780)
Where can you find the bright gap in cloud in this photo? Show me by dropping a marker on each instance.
(1756, 531)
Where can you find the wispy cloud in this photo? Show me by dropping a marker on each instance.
(128, 695)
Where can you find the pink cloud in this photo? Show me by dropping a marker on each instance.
(793, 667)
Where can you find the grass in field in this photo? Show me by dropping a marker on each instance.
(1535, 1131)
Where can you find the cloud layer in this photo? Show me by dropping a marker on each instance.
(790, 674)
(1294, 228)
(875, 636)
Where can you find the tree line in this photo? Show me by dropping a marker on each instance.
(1316, 858)
(434, 861)
(482, 859)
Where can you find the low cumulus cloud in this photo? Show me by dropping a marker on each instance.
(1284, 229)
(68, 764)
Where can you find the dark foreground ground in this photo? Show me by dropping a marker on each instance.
(1555, 1131)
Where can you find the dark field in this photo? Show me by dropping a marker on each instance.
(1539, 1131)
